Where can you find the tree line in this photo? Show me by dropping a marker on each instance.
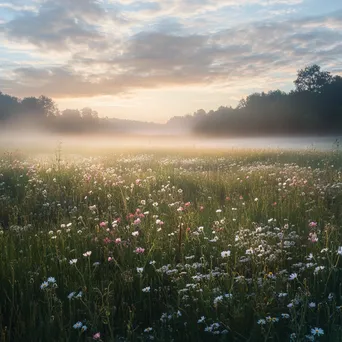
(313, 107)
(42, 112)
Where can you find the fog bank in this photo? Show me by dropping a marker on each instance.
(39, 141)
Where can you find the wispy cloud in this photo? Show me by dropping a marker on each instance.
(100, 48)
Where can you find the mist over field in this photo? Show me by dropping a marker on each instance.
(36, 140)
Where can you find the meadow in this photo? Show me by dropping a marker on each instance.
(236, 245)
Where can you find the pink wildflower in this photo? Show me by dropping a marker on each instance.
(96, 336)
(313, 237)
(137, 221)
(106, 240)
(139, 250)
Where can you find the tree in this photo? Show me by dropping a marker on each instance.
(32, 109)
(9, 107)
(312, 79)
(49, 106)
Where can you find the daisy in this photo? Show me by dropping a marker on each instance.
(293, 276)
(317, 331)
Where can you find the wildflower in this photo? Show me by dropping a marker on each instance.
(136, 233)
(293, 276)
(218, 300)
(339, 251)
(140, 270)
(272, 319)
(282, 294)
(96, 263)
(313, 237)
(77, 325)
(312, 305)
(84, 328)
(261, 322)
(318, 269)
(225, 254)
(96, 336)
(44, 285)
(107, 240)
(201, 320)
(317, 331)
(51, 280)
(79, 295)
(71, 295)
(147, 330)
(285, 315)
(310, 257)
(72, 261)
(218, 211)
(146, 289)
(86, 254)
(139, 250)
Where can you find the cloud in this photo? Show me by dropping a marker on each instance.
(18, 7)
(59, 25)
(107, 58)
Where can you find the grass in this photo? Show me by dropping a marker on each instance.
(227, 246)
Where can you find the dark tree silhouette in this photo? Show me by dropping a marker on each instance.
(312, 78)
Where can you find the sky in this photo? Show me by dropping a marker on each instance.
(153, 59)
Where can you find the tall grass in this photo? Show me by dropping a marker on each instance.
(242, 246)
